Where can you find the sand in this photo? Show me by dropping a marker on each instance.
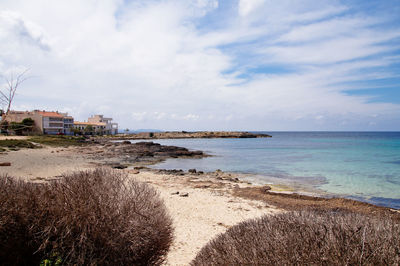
(37, 164)
(13, 137)
(202, 215)
(197, 218)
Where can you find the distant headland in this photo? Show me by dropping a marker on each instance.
(186, 134)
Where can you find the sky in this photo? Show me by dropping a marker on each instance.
(208, 64)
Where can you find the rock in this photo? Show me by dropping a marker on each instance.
(203, 186)
(118, 166)
(126, 142)
(184, 194)
(193, 171)
(200, 172)
(265, 189)
(175, 193)
(134, 171)
(5, 164)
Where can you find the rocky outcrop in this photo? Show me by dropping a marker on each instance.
(118, 154)
(197, 134)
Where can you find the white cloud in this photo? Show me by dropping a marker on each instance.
(23, 31)
(154, 64)
(247, 6)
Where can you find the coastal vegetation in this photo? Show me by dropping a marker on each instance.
(306, 238)
(25, 127)
(34, 142)
(59, 140)
(85, 218)
(15, 144)
(295, 202)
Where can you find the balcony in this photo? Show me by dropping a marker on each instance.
(55, 125)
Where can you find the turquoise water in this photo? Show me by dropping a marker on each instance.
(360, 165)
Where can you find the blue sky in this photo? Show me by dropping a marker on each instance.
(209, 64)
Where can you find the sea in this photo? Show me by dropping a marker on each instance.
(359, 165)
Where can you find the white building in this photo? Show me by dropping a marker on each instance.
(98, 125)
(110, 127)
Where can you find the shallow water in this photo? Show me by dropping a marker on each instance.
(360, 165)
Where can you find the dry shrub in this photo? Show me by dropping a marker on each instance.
(17, 205)
(306, 238)
(94, 217)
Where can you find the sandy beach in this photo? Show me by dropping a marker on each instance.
(206, 211)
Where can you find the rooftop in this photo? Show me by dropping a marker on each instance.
(50, 114)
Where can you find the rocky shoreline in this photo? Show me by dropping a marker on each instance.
(120, 155)
(272, 195)
(185, 135)
(138, 156)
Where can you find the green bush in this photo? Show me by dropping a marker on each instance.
(17, 128)
(62, 140)
(26, 126)
(96, 217)
(306, 238)
(29, 123)
(16, 143)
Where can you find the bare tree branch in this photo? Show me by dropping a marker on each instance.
(7, 94)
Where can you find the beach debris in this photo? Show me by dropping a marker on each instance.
(224, 225)
(193, 171)
(5, 164)
(184, 194)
